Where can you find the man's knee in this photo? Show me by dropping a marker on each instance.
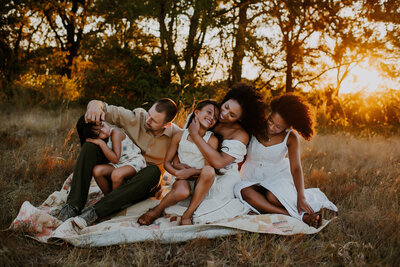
(152, 173)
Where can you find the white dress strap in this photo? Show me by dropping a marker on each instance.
(185, 134)
(207, 136)
(287, 136)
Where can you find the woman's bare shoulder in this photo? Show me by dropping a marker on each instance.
(241, 135)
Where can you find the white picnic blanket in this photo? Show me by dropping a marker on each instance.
(40, 224)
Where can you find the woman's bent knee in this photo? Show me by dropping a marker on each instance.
(246, 192)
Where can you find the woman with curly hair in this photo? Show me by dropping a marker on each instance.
(242, 113)
(273, 183)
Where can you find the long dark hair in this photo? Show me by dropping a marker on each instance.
(253, 119)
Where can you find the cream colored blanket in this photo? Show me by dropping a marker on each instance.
(40, 224)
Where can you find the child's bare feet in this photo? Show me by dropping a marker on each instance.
(313, 219)
(148, 217)
(186, 221)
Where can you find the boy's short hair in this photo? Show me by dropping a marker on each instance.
(167, 106)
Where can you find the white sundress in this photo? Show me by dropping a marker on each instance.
(189, 153)
(220, 202)
(131, 154)
(270, 168)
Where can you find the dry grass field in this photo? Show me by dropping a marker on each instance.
(361, 175)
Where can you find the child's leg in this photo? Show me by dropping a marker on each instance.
(102, 175)
(203, 185)
(180, 191)
(260, 201)
(119, 174)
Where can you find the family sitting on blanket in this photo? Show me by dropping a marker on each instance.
(242, 115)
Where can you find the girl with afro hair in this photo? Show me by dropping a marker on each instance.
(272, 182)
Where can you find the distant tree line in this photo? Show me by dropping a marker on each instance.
(136, 51)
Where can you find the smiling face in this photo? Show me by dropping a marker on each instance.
(276, 124)
(207, 115)
(231, 111)
(102, 130)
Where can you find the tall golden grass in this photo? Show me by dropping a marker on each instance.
(360, 175)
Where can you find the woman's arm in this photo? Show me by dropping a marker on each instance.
(113, 154)
(216, 159)
(297, 172)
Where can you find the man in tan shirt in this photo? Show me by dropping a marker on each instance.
(150, 130)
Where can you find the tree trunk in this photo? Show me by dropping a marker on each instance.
(238, 52)
(289, 68)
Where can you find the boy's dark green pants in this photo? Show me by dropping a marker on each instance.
(140, 187)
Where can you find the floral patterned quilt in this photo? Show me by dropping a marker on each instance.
(41, 224)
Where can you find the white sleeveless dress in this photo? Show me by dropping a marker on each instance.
(270, 168)
(131, 154)
(189, 153)
(220, 202)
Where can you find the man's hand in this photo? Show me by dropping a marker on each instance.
(94, 112)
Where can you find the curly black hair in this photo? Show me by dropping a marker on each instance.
(297, 113)
(253, 119)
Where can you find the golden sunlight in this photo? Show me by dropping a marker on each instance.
(366, 79)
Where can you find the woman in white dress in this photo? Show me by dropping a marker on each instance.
(242, 113)
(273, 183)
(193, 175)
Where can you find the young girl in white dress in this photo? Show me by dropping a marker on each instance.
(273, 183)
(193, 175)
(125, 157)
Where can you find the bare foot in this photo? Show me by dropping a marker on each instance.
(186, 221)
(313, 219)
(149, 217)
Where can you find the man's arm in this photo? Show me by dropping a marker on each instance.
(121, 117)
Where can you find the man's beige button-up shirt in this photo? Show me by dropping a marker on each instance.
(153, 147)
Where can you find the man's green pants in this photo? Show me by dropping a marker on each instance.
(138, 188)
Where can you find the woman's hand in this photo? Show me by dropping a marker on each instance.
(96, 141)
(183, 174)
(194, 127)
(303, 205)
